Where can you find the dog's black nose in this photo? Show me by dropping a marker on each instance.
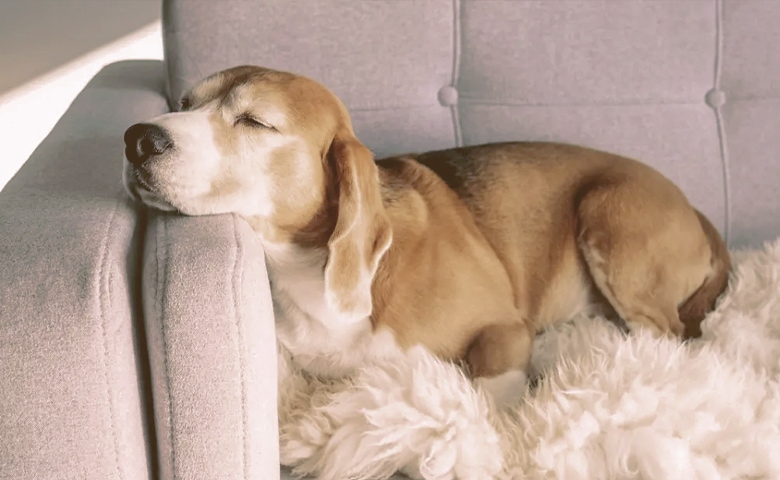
(144, 140)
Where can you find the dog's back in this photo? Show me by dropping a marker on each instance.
(552, 211)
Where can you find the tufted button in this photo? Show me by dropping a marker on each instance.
(715, 98)
(448, 96)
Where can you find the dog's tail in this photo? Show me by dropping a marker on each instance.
(702, 301)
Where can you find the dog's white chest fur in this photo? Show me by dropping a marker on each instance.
(318, 339)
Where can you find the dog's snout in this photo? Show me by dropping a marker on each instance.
(143, 140)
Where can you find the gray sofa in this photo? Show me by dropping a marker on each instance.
(138, 345)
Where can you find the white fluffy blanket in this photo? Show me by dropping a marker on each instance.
(607, 406)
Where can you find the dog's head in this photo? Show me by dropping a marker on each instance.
(279, 150)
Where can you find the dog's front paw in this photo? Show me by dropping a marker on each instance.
(505, 388)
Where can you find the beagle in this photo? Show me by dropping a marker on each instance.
(467, 252)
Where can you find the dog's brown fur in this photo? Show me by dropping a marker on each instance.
(513, 231)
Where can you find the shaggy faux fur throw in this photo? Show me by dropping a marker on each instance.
(607, 405)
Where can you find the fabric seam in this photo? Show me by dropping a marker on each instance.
(238, 281)
(724, 156)
(105, 299)
(475, 101)
(456, 53)
(163, 338)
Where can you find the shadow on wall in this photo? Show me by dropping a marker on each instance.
(41, 35)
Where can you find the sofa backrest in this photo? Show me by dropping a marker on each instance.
(691, 87)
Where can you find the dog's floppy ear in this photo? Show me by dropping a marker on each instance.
(362, 233)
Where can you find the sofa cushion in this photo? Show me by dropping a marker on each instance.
(73, 374)
(690, 87)
(748, 74)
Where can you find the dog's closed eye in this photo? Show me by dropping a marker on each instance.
(251, 121)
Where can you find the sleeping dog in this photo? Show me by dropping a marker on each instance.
(467, 252)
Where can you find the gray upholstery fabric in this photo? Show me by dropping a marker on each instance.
(750, 80)
(211, 338)
(73, 374)
(632, 77)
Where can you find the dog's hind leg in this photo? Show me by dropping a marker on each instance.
(644, 250)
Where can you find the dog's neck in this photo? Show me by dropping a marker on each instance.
(318, 340)
(297, 278)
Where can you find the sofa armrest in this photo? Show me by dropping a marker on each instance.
(212, 343)
(72, 399)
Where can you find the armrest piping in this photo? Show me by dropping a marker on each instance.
(238, 280)
(160, 309)
(104, 295)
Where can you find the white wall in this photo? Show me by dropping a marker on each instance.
(49, 49)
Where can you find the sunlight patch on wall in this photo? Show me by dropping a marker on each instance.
(29, 112)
